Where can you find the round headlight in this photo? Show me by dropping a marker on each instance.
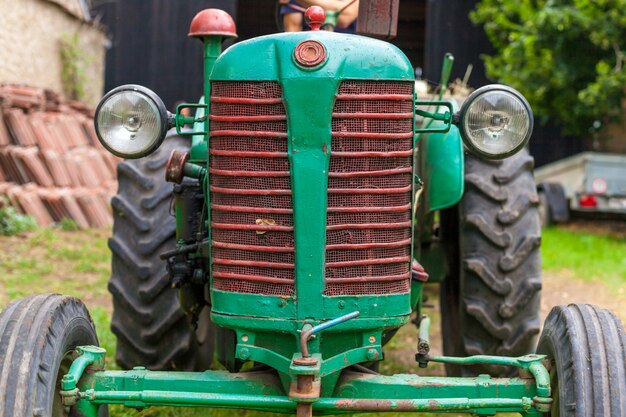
(131, 121)
(496, 121)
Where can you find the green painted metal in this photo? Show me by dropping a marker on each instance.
(181, 121)
(309, 96)
(441, 154)
(531, 363)
(446, 70)
(331, 18)
(444, 118)
(309, 157)
(87, 356)
(434, 260)
(199, 146)
(140, 388)
(441, 167)
(349, 57)
(417, 288)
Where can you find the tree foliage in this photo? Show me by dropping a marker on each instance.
(568, 57)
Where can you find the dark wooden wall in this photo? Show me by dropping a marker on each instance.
(449, 29)
(412, 30)
(149, 45)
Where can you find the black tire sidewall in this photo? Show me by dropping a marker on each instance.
(38, 332)
(586, 346)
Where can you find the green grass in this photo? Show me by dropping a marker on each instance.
(587, 255)
(78, 264)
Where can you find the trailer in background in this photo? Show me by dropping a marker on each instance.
(589, 182)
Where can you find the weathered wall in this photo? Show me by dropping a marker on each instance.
(30, 34)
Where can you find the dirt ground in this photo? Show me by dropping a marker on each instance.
(563, 289)
(557, 289)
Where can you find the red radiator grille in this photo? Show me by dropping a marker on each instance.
(368, 237)
(251, 211)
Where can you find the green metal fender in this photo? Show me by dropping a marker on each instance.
(441, 168)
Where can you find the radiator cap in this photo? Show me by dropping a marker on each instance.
(212, 22)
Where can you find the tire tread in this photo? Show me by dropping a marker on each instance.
(587, 345)
(151, 329)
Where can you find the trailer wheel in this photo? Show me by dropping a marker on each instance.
(37, 337)
(151, 328)
(553, 204)
(586, 346)
(490, 300)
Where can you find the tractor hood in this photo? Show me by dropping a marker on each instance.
(347, 56)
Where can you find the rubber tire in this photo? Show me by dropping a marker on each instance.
(490, 301)
(36, 333)
(151, 329)
(586, 346)
(545, 215)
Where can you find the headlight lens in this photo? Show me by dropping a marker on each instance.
(131, 121)
(496, 121)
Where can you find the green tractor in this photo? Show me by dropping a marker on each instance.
(290, 213)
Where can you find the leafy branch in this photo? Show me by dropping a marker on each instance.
(566, 56)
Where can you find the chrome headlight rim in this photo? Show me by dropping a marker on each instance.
(463, 125)
(164, 118)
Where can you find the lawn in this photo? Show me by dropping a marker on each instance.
(77, 263)
(589, 252)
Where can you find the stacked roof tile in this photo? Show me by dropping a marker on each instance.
(51, 163)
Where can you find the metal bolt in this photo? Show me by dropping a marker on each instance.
(244, 353)
(341, 304)
(372, 339)
(244, 338)
(372, 354)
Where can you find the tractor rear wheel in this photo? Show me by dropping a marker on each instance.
(490, 300)
(38, 335)
(586, 347)
(151, 328)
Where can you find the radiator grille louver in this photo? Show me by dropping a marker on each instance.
(251, 211)
(368, 237)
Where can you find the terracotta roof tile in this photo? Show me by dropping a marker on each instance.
(34, 165)
(73, 208)
(24, 97)
(52, 165)
(5, 137)
(19, 127)
(32, 204)
(57, 168)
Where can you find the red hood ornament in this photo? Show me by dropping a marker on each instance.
(314, 17)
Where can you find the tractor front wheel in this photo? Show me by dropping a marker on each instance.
(38, 335)
(586, 347)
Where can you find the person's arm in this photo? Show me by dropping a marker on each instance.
(346, 17)
(292, 22)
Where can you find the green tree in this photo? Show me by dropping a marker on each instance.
(566, 56)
